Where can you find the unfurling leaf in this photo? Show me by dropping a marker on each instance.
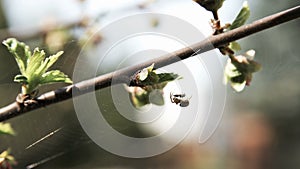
(34, 62)
(242, 17)
(146, 86)
(33, 67)
(5, 128)
(143, 74)
(149, 77)
(239, 70)
(21, 79)
(54, 76)
(20, 51)
(48, 62)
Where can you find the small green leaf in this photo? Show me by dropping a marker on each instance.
(21, 79)
(239, 70)
(167, 77)
(235, 46)
(34, 62)
(20, 51)
(54, 76)
(152, 78)
(143, 74)
(48, 62)
(155, 79)
(5, 128)
(241, 17)
(150, 68)
(33, 67)
(147, 86)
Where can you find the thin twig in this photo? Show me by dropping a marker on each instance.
(103, 81)
(6, 33)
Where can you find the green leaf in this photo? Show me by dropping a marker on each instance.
(20, 51)
(156, 79)
(33, 73)
(34, 62)
(149, 88)
(167, 77)
(152, 78)
(54, 76)
(21, 79)
(235, 46)
(48, 62)
(241, 17)
(150, 68)
(145, 72)
(5, 128)
(239, 70)
(33, 67)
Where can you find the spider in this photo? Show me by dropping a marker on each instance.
(179, 99)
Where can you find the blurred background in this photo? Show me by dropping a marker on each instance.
(259, 127)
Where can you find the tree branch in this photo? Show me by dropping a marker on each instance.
(103, 81)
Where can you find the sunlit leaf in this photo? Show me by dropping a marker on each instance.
(239, 70)
(150, 68)
(242, 17)
(20, 51)
(143, 74)
(54, 76)
(34, 62)
(147, 86)
(33, 67)
(48, 62)
(5, 128)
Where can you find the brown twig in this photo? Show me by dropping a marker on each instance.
(103, 81)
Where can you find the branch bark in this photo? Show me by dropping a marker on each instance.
(15, 109)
